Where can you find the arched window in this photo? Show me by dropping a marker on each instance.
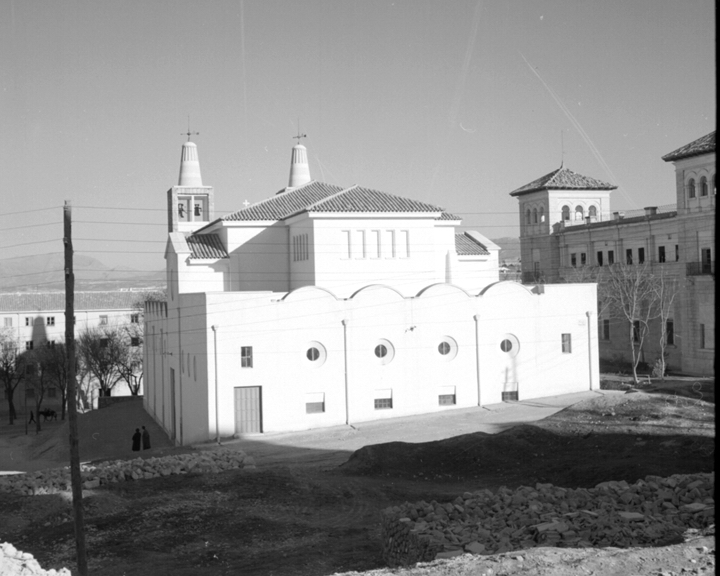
(691, 188)
(527, 216)
(703, 186)
(579, 212)
(592, 212)
(542, 214)
(535, 220)
(566, 212)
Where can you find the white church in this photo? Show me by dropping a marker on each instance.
(325, 305)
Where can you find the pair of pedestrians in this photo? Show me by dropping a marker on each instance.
(137, 437)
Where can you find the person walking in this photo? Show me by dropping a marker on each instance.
(145, 439)
(32, 417)
(136, 440)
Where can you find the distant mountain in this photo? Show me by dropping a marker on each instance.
(509, 249)
(47, 272)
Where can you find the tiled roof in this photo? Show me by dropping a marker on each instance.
(696, 147)
(467, 246)
(206, 246)
(358, 199)
(448, 216)
(54, 301)
(284, 204)
(563, 179)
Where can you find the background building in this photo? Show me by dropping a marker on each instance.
(567, 228)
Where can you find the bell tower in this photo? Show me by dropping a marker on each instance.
(190, 204)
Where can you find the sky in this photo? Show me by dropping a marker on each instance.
(456, 103)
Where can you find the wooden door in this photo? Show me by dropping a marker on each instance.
(248, 410)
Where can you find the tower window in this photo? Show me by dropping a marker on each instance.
(579, 212)
(566, 212)
(592, 212)
(527, 216)
(691, 188)
(198, 210)
(661, 253)
(535, 216)
(703, 186)
(542, 214)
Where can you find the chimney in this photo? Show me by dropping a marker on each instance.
(650, 210)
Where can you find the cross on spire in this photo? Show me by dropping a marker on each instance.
(298, 134)
(188, 133)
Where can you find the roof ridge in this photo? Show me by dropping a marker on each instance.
(269, 199)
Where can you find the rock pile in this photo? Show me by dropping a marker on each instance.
(13, 562)
(611, 514)
(93, 476)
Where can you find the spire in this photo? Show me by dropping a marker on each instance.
(189, 166)
(299, 167)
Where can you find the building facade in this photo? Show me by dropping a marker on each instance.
(675, 241)
(324, 305)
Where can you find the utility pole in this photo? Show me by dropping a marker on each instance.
(75, 478)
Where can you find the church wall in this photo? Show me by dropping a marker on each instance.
(259, 257)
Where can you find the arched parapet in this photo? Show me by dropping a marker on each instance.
(309, 294)
(442, 289)
(380, 292)
(507, 288)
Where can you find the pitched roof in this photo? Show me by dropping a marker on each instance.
(55, 301)
(465, 245)
(206, 246)
(284, 204)
(448, 216)
(695, 148)
(563, 179)
(359, 199)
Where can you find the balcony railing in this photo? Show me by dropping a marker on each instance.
(700, 268)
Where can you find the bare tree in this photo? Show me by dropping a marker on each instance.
(130, 362)
(40, 374)
(12, 368)
(55, 363)
(666, 289)
(101, 349)
(631, 294)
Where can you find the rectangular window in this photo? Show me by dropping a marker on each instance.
(8, 322)
(661, 253)
(103, 320)
(600, 258)
(28, 321)
(362, 248)
(346, 245)
(50, 343)
(567, 343)
(677, 253)
(29, 345)
(404, 244)
(315, 403)
(374, 244)
(636, 331)
(583, 259)
(641, 255)
(50, 320)
(670, 332)
(573, 260)
(52, 392)
(706, 260)
(135, 318)
(390, 242)
(611, 257)
(246, 357)
(135, 341)
(383, 403)
(446, 400)
(702, 335)
(605, 334)
(628, 256)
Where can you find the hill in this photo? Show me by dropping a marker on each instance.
(509, 249)
(46, 273)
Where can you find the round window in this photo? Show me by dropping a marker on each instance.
(510, 345)
(384, 351)
(447, 348)
(506, 345)
(316, 354)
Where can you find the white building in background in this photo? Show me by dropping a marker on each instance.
(38, 319)
(325, 305)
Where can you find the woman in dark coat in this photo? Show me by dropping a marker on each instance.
(145, 439)
(136, 440)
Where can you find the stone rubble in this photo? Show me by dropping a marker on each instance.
(611, 514)
(95, 475)
(13, 562)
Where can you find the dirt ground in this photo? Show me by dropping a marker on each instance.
(299, 513)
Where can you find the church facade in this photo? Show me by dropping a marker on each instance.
(326, 305)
